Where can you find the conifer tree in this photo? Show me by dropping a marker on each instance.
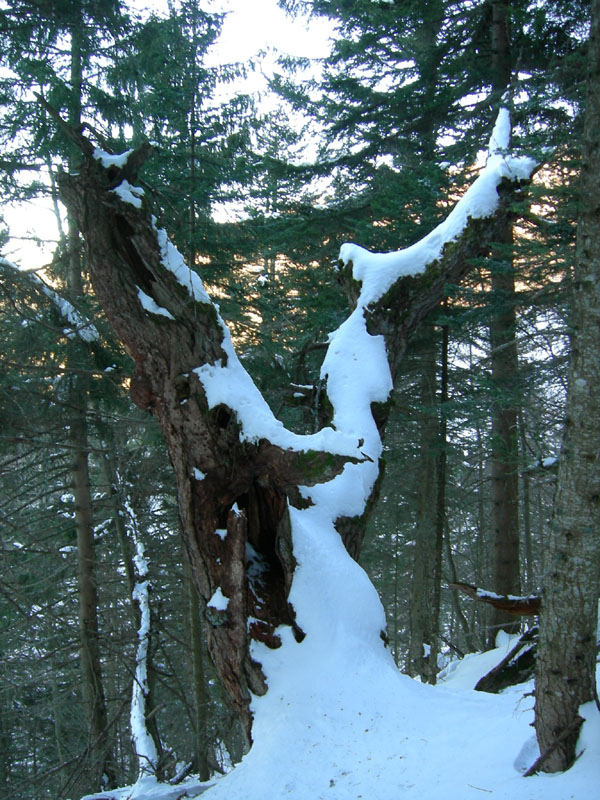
(566, 666)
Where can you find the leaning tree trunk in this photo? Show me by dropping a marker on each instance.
(242, 479)
(566, 666)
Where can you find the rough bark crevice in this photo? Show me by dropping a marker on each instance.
(566, 666)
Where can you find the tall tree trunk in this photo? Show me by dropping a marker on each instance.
(99, 754)
(504, 456)
(526, 495)
(423, 619)
(426, 577)
(5, 751)
(440, 508)
(505, 366)
(199, 683)
(566, 664)
(396, 598)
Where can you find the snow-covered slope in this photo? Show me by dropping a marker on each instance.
(349, 726)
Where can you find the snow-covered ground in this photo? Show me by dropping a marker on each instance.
(351, 726)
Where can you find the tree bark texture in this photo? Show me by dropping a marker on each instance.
(505, 450)
(124, 255)
(99, 753)
(223, 481)
(199, 682)
(504, 523)
(423, 619)
(565, 675)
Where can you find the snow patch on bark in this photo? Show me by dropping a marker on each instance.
(151, 306)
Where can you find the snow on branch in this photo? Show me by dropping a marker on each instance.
(81, 327)
(512, 604)
(379, 271)
(357, 365)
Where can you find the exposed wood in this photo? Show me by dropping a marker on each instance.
(124, 256)
(516, 667)
(517, 606)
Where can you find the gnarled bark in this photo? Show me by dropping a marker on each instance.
(215, 470)
(233, 492)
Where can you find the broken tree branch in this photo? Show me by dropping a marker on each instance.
(519, 606)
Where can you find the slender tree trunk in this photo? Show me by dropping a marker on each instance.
(5, 750)
(117, 511)
(192, 123)
(74, 278)
(396, 598)
(440, 510)
(202, 743)
(422, 613)
(93, 691)
(504, 459)
(526, 495)
(566, 665)
(505, 367)
(458, 612)
(98, 753)
(57, 713)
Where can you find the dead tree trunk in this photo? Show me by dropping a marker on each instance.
(238, 471)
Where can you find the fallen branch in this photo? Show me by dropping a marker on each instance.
(518, 606)
(516, 667)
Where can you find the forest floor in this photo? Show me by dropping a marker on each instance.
(360, 730)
